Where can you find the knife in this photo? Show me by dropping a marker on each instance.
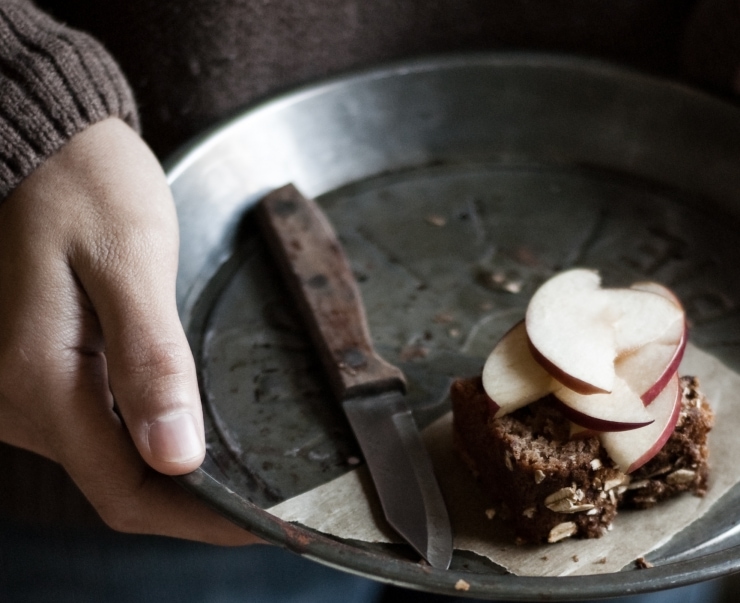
(370, 389)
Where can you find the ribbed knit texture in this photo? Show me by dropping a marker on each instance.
(54, 82)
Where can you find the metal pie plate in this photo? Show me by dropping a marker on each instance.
(457, 185)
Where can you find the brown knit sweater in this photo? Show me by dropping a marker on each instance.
(192, 63)
(53, 83)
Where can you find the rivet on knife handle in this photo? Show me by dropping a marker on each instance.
(320, 277)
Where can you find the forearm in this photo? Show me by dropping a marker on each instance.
(54, 82)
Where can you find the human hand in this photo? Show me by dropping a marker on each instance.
(88, 261)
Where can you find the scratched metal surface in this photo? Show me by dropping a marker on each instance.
(452, 209)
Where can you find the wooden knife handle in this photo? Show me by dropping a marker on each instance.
(319, 276)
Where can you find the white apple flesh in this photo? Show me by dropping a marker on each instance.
(649, 368)
(511, 377)
(620, 410)
(577, 329)
(632, 449)
(570, 332)
(644, 317)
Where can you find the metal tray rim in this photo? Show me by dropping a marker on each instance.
(332, 552)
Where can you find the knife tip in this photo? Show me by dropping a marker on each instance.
(439, 557)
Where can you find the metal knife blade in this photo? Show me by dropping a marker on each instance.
(320, 279)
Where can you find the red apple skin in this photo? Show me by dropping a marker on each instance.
(511, 376)
(669, 371)
(672, 367)
(658, 445)
(594, 423)
(562, 377)
(673, 363)
(666, 432)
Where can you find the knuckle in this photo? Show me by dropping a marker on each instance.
(123, 251)
(158, 373)
(162, 359)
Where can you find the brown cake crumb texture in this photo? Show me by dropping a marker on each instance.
(553, 487)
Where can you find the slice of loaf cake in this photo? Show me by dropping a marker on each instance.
(554, 486)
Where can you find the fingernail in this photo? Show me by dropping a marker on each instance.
(175, 438)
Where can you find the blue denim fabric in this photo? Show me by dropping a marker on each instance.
(46, 565)
(42, 565)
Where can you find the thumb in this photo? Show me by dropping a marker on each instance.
(150, 366)
(123, 249)
(151, 370)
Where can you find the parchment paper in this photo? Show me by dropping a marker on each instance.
(347, 507)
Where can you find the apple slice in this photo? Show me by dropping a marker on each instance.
(632, 449)
(649, 368)
(644, 316)
(512, 378)
(570, 332)
(620, 410)
(577, 329)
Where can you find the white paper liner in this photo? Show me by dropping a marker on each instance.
(347, 507)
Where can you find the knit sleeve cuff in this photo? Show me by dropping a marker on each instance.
(54, 82)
